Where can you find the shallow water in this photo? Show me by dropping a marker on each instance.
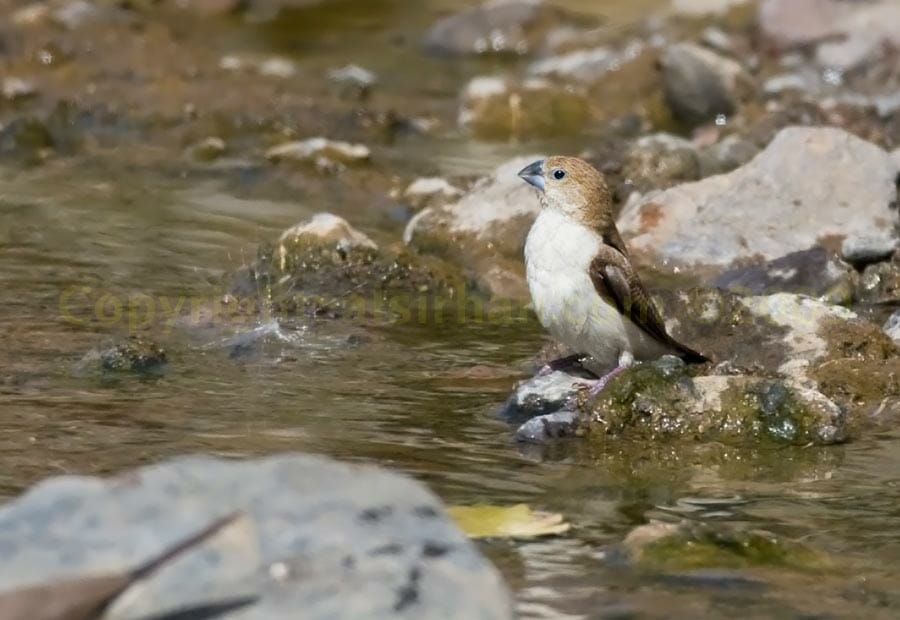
(402, 396)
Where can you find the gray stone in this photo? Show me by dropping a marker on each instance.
(808, 184)
(726, 155)
(863, 250)
(660, 160)
(499, 26)
(314, 537)
(892, 326)
(846, 34)
(587, 65)
(548, 427)
(542, 395)
(814, 272)
(699, 84)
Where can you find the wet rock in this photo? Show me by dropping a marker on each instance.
(788, 369)
(880, 283)
(277, 67)
(815, 272)
(136, 354)
(808, 184)
(699, 84)
(430, 192)
(16, 89)
(208, 149)
(648, 402)
(791, 23)
(863, 250)
(660, 160)
(353, 81)
(725, 155)
(485, 230)
(325, 268)
(542, 395)
(892, 326)
(335, 540)
(696, 545)
(26, 139)
(549, 427)
(495, 27)
(325, 229)
(587, 66)
(320, 151)
(495, 108)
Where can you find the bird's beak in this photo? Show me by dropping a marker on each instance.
(533, 174)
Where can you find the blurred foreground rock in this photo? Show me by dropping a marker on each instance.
(314, 537)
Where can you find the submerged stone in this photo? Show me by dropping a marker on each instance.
(692, 545)
(135, 354)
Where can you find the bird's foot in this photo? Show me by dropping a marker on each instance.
(595, 387)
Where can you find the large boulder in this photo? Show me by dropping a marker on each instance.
(808, 186)
(313, 537)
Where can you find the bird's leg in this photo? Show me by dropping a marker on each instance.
(598, 385)
(561, 363)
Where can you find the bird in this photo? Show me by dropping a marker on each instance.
(584, 289)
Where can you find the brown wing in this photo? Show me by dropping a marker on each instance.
(615, 279)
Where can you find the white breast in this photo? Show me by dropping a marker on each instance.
(558, 253)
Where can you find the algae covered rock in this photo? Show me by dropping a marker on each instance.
(696, 545)
(789, 369)
(134, 354)
(326, 268)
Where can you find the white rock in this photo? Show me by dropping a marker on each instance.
(313, 148)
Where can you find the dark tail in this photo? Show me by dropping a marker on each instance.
(690, 356)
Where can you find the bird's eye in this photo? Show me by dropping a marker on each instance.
(559, 174)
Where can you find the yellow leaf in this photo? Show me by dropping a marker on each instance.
(518, 521)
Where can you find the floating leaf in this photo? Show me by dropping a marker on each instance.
(518, 521)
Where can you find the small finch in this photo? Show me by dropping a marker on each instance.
(585, 291)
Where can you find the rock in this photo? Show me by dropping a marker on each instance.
(75, 13)
(353, 81)
(495, 108)
(725, 155)
(692, 545)
(815, 272)
(808, 184)
(895, 156)
(788, 369)
(325, 268)
(880, 284)
(326, 229)
(586, 65)
(544, 428)
(277, 67)
(208, 149)
(430, 192)
(660, 160)
(701, 8)
(863, 250)
(136, 354)
(26, 139)
(215, 8)
(321, 151)
(542, 395)
(495, 27)
(335, 540)
(846, 34)
(15, 89)
(892, 327)
(699, 84)
(484, 231)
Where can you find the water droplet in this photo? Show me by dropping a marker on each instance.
(833, 76)
(721, 120)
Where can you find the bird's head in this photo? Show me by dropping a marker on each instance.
(572, 186)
